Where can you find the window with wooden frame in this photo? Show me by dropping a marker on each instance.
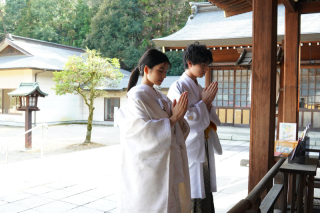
(310, 88)
(8, 104)
(233, 97)
(309, 100)
(109, 105)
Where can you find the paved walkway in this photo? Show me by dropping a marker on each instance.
(86, 181)
(83, 181)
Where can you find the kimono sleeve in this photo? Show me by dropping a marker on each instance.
(184, 126)
(142, 133)
(213, 116)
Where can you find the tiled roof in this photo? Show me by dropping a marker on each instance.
(210, 27)
(26, 89)
(36, 54)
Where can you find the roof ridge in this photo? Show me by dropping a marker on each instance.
(201, 7)
(17, 47)
(46, 42)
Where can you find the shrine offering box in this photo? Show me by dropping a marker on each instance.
(285, 147)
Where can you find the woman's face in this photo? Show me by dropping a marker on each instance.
(156, 75)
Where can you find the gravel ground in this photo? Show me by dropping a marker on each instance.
(58, 139)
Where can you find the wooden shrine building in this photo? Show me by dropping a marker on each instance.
(293, 26)
(229, 38)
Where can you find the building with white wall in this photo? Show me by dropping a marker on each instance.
(29, 60)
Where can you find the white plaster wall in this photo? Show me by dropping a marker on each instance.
(54, 107)
(11, 79)
(98, 114)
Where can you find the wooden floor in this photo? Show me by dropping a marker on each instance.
(316, 209)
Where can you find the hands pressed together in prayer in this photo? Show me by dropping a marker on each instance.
(179, 108)
(209, 93)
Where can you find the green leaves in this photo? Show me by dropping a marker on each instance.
(60, 21)
(116, 30)
(177, 67)
(87, 74)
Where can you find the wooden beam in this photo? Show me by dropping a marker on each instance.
(233, 5)
(291, 67)
(290, 5)
(264, 68)
(237, 12)
(238, 7)
(309, 7)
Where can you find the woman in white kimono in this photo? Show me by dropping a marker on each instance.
(203, 140)
(154, 167)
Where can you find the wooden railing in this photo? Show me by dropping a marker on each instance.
(253, 201)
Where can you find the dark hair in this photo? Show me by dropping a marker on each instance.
(150, 58)
(196, 54)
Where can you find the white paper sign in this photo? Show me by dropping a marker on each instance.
(287, 131)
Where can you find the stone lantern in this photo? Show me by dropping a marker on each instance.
(28, 94)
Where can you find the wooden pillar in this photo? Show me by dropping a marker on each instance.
(208, 77)
(28, 125)
(291, 67)
(281, 94)
(263, 99)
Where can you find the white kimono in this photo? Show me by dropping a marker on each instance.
(199, 119)
(154, 167)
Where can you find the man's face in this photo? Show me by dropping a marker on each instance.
(198, 70)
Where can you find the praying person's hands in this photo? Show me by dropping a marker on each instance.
(209, 93)
(179, 108)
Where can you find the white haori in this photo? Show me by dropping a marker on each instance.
(199, 119)
(154, 167)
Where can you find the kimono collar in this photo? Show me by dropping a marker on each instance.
(191, 83)
(150, 91)
(157, 97)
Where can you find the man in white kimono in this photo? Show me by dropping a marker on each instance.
(203, 140)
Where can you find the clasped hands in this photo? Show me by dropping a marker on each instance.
(179, 108)
(209, 93)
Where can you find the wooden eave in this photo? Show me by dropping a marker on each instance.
(236, 7)
(233, 7)
(245, 59)
(310, 7)
(307, 39)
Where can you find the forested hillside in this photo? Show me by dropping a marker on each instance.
(118, 28)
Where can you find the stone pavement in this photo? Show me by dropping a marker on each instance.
(83, 181)
(86, 181)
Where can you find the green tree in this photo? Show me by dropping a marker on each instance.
(176, 61)
(85, 75)
(12, 10)
(164, 17)
(60, 21)
(80, 25)
(116, 30)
